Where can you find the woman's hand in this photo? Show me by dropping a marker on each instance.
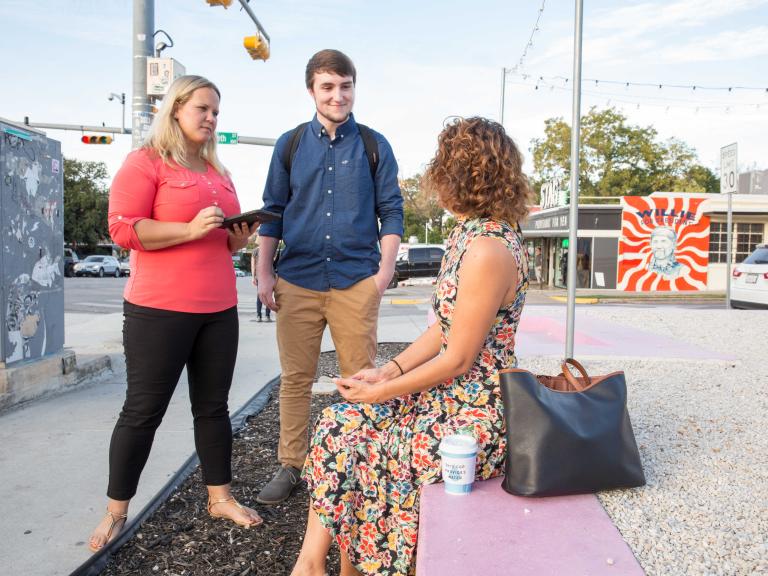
(360, 391)
(239, 235)
(372, 375)
(206, 220)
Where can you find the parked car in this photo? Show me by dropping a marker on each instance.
(125, 267)
(70, 259)
(749, 281)
(417, 261)
(100, 266)
(240, 273)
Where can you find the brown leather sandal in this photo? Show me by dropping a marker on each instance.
(114, 519)
(212, 514)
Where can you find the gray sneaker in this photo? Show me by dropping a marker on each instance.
(280, 487)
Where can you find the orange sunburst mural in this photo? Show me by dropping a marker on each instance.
(664, 244)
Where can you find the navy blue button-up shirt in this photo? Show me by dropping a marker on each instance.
(333, 212)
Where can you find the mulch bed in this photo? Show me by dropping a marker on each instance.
(180, 539)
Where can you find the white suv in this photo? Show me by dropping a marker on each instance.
(749, 281)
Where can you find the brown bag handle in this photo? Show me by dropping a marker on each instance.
(569, 376)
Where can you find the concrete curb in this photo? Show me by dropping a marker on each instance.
(49, 376)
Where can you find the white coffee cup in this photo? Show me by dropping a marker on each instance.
(458, 453)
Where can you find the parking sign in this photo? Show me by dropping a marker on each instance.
(729, 169)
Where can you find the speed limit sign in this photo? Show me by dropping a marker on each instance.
(729, 169)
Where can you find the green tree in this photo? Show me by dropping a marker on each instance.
(421, 208)
(618, 159)
(86, 200)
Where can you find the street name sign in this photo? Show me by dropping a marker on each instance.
(226, 137)
(729, 169)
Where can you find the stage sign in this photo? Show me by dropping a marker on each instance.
(664, 244)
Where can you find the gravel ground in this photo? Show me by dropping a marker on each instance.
(701, 429)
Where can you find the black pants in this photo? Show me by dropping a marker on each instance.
(158, 344)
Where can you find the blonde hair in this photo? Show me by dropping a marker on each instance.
(165, 136)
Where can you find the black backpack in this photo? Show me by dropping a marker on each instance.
(369, 142)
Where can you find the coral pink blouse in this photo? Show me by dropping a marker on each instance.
(195, 276)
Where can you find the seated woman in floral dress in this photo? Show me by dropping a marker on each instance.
(371, 454)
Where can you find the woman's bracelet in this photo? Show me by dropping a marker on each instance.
(396, 363)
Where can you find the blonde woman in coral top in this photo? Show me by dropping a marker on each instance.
(167, 204)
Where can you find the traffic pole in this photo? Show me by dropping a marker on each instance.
(143, 35)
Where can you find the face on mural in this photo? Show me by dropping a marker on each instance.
(662, 246)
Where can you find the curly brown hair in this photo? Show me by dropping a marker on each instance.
(477, 172)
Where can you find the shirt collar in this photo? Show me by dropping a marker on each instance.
(349, 127)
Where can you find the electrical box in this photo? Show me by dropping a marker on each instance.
(161, 72)
(32, 258)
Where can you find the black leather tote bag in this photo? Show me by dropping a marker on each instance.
(568, 435)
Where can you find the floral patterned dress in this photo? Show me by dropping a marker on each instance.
(367, 462)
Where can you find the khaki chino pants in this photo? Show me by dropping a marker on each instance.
(352, 316)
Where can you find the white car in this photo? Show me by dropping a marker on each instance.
(125, 267)
(100, 266)
(749, 281)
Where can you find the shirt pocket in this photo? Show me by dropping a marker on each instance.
(178, 192)
(350, 186)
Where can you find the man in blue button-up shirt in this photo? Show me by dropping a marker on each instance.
(341, 228)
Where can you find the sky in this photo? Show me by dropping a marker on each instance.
(418, 63)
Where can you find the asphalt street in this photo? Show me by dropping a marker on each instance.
(105, 296)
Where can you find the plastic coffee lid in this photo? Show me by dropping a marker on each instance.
(457, 444)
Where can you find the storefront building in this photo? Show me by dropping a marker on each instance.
(662, 242)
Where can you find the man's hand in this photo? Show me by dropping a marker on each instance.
(206, 220)
(382, 279)
(266, 285)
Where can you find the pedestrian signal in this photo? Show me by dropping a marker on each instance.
(257, 47)
(96, 139)
(225, 3)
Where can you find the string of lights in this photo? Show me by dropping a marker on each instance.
(658, 85)
(529, 44)
(666, 103)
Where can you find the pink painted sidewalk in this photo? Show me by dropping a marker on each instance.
(542, 334)
(492, 533)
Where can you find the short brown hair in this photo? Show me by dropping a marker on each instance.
(329, 61)
(478, 172)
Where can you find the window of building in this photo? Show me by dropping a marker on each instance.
(746, 237)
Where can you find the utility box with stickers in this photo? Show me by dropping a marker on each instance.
(32, 257)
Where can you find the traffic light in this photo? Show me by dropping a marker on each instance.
(257, 47)
(225, 3)
(96, 139)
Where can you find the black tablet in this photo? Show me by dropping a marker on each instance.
(251, 217)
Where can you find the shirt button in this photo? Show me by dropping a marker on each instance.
(120, 217)
(214, 191)
(327, 259)
(331, 146)
(215, 203)
(327, 237)
(327, 213)
(330, 167)
(330, 191)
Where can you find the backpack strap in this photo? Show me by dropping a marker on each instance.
(293, 144)
(369, 143)
(371, 148)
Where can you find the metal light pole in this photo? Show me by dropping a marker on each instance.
(503, 89)
(120, 98)
(575, 149)
(143, 31)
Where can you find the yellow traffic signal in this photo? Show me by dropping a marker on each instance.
(257, 47)
(225, 3)
(96, 139)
